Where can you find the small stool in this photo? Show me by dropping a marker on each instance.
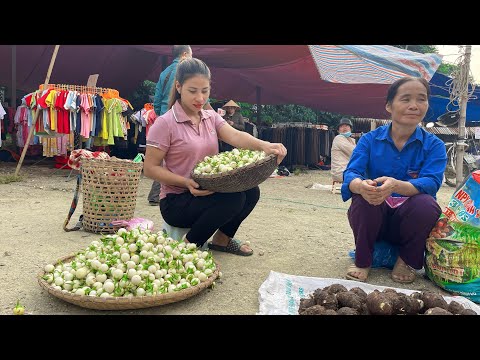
(334, 186)
(175, 233)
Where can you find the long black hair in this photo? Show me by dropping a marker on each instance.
(185, 70)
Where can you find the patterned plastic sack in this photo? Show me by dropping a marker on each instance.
(134, 223)
(452, 257)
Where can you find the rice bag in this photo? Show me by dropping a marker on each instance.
(452, 257)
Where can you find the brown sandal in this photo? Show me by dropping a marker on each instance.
(363, 273)
(403, 270)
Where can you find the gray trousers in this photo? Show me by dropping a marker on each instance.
(154, 194)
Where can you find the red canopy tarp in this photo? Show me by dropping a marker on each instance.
(286, 74)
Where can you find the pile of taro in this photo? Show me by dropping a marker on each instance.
(337, 300)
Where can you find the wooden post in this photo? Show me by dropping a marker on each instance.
(463, 117)
(30, 133)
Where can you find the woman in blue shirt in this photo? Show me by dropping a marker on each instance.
(392, 178)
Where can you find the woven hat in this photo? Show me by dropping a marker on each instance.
(231, 103)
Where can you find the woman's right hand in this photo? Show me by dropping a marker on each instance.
(193, 186)
(368, 190)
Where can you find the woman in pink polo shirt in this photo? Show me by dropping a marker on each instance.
(182, 137)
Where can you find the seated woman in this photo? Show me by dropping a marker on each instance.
(392, 178)
(342, 148)
(184, 136)
(234, 118)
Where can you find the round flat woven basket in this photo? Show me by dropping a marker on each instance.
(240, 179)
(109, 189)
(124, 303)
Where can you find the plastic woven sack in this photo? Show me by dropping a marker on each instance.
(135, 223)
(452, 258)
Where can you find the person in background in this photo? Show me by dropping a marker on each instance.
(160, 101)
(392, 178)
(342, 148)
(181, 138)
(234, 118)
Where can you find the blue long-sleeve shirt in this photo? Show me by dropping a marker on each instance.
(162, 91)
(421, 162)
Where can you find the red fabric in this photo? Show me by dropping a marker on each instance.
(286, 74)
(76, 157)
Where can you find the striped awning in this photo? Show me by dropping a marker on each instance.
(374, 64)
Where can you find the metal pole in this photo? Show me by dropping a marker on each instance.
(463, 116)
(30, 133)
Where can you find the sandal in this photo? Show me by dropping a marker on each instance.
(233, 247)
(363, 273)
(404, 270)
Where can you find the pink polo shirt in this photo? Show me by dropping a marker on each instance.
(184, 145)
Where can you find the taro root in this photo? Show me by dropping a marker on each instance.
(329, 312)
(416, 295)
(360, 293)
(347, 311)
(379, 304)
(335, 289)
(455, 308)
(313, 310)
(323, 298)
(468, 312)
(432, 300)
(403, 304)
(305, 303)
(389, 290)
(319, 295)
(364, 310)
(437, 311)
(349, 299)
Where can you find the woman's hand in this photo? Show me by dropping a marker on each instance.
(277, 149)
(368, 190)
(376, 191)
(388, 186)
(193, 186)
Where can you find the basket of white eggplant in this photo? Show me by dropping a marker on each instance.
(130, 270)
(234, 171)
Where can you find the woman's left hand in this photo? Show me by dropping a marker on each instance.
(387, 187)
(278, 149)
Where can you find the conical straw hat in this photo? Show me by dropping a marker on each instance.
(231, 103)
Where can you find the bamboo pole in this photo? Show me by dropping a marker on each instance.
(463, 117)
(34, 121)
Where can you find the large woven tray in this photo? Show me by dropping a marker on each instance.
(121, 303)
(240, 179)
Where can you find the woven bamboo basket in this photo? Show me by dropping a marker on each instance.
(124, 303)
(109, 192)
(240, 179)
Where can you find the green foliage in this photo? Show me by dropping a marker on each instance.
(447, 69)
(288, 113)
(423, 49)
(141, 94)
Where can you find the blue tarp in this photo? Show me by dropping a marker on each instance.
(440, 99)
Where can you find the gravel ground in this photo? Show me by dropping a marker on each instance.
(293, 229)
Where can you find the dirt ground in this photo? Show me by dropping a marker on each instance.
(293, 229)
